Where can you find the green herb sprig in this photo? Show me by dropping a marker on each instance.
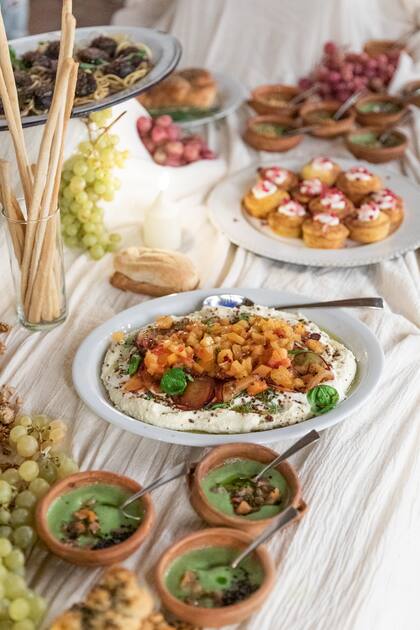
(322, 399)
(175, 381)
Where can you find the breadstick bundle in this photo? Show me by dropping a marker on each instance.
(34, 227)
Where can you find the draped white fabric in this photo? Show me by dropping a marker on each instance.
(352, 563)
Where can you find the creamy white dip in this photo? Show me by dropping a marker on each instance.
(284, 408)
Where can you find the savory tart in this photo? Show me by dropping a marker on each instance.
(227, 370)
(332, 201)
(321, 168)
(281, 177)
(324, 231)
(307, 190)
(391, 204)
(369, 224)
(263, 197)
(358, 182)
(287, 219)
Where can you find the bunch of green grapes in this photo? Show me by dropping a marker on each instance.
(86, 181)
(37, 463)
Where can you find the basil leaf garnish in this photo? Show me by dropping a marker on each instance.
(174, 381)
(133, 364)
(322, 398)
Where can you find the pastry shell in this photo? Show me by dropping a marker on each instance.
(356, 190)
(290, 182)
(315, 207)
(321, 236)
(309, 171)
(369, 231)
(261, 207)
(284, 225)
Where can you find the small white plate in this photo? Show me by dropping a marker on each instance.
(166, 53)
(355, 335)
(230, 95)
(224, 203)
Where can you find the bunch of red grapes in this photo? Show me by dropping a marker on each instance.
(341, 73)
(165, 143)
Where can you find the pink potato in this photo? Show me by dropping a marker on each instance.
(149, 144)
(160, 156)
(174, 132)
(144, 125)
(172, 160)
(191, 152)
(163, 121)
(207, 154)
(159, 135)
(174, 148)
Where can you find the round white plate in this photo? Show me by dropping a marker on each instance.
(230, 94)
(166, 53)
(355, 335)
(224, 204)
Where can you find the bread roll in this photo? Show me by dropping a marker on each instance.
(153, 271)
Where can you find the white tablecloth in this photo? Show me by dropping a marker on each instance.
(352, 563)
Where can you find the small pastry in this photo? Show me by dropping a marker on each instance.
(117, 601)
(391, 204)
(368, 224)
(308, 189)
(281, 177)
(153, 271)
(321, 168)
(263, 197)
(287, 220)
(324, 231)
(333, 201)
(358, 182)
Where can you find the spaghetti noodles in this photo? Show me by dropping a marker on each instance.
(106, 65)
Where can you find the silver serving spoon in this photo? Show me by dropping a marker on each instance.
(347, 104)
(283, 519)
(385, 134)
(307, 439)
(233, 300)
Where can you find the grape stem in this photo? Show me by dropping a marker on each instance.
(111, 124)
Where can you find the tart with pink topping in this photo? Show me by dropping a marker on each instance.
(368, 224)
(332, 201)
(391, 204)
(307, 190)
(287, 219)
(263, 197)
(358, 182)
(321, 168)
(281, 177)
(324, 231)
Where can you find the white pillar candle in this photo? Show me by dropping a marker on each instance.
(162, 226)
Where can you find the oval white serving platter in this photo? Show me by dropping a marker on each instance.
(166, 53)
(224, 204)
(354, 334)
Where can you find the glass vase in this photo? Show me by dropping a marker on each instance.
(36, 260)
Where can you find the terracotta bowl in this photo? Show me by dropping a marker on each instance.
(327, 128)
(375, 47)
(214, 617)
(379, 119)
(258, 453)
(264, 143)
(408, 90)
(287, 92)
(376, 155)
(97, 557)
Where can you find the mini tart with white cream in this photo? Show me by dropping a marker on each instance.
(391, 204)
(263, 197)
(332, 201)
(324, 231)
(307, 190)
(358, 182)
(281, 177)
(288, 219)
(321, 168)
(368, 224)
